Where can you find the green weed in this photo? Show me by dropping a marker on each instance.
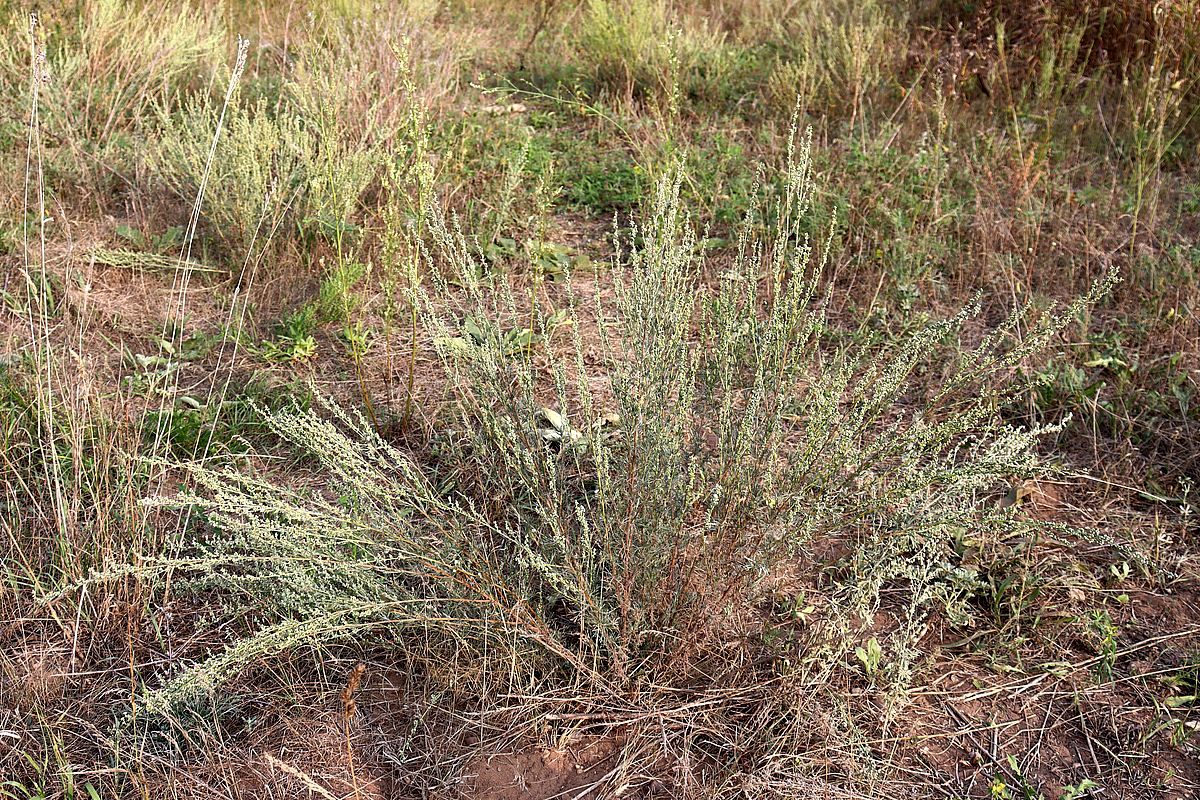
(591, 568)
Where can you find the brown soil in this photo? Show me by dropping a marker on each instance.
(572, 769)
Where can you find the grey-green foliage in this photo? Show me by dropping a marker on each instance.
(304, 159)
(271, 165)
(623, 531)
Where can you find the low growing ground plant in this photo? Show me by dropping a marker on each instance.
(270, 169)
(620, 542)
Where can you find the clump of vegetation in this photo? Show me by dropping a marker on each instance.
(627, 554)
(264, 169)
(630, 463)
(837, 56)
(102, 69)
(639, 50)
(629, 44)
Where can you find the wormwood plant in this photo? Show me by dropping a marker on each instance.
(621, 538)
(294, 163)
(300, 161)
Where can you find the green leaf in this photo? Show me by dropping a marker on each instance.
(132, 235)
